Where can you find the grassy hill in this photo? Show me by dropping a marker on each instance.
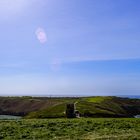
(44, 107)
(93, 107)
(22, 106)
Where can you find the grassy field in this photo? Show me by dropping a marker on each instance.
(97, 99)
(70, 129)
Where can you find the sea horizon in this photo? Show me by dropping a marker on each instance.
(74, 96)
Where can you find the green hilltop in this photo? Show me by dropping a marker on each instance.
(92, 107)
(45, 107)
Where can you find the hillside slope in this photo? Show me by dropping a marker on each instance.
(44, 107)
(23, 105)
(93, 107)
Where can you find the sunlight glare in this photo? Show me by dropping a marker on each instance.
(41, 35)
(8, 7)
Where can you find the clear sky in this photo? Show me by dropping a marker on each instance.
(75, 47)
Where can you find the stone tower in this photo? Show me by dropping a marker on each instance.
(70, 110)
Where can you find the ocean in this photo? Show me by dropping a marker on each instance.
(130, 96)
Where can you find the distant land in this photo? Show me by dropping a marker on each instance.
(55, 107)
(75, 95)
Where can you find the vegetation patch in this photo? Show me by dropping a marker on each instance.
(70, 129)
(45, 107)
(97, 99)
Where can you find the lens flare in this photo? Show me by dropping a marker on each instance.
(41, 35)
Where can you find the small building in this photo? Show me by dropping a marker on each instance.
(71, 111)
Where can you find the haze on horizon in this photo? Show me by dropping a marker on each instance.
(77, 47)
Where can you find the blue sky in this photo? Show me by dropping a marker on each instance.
(77, 47)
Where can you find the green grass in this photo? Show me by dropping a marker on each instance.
(97, 99)
(57, 111)
(89, 107)
(70, 129)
